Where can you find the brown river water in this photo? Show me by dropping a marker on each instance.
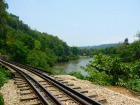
(74, 65)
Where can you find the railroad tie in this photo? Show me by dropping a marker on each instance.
(25, 88)
(60, 80)
(32, 103)
(91, 95)
(41, 81)
(70, 84)
(101, 99)
(55, 76)
(64, 81)
(57, 94)
(21, 86)
(47, 86)
(83, 91)
(64, 99)
(17, 76)
(26, 92)
(25, 98)
(52, 90)
(20, 83)
(18, 79)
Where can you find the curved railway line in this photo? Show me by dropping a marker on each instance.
(38, 88)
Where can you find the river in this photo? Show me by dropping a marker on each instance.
(74, 65)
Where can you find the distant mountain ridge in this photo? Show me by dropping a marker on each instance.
(100, 46)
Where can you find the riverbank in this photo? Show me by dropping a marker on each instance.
(84, 57)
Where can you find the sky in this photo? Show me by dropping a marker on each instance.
(81, 22)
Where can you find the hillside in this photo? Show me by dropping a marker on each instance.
(27, 46)
(102, 46)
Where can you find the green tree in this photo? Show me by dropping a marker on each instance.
(27, 40)
(126, 41)
(37, 59)
(51, 58)
(18, 51)
(74, 51)
(112, 67)
(138, 35)
(135, 49)
(3, 18)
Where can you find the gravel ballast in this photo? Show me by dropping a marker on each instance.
(113, 98)
(11, 93)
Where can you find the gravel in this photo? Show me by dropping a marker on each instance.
(12, 97)
(10, 93)
(113, 98)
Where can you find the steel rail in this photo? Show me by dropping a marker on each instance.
(43, 99)
(81, 98)
(78, 99)
(57, 102)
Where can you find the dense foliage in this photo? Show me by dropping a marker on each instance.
(35, 48)
(27, 46)
(117, 66)
(102, 46)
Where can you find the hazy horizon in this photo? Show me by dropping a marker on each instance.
(81, 23)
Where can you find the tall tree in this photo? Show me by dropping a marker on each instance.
(126, 41)
(3, 17)
(138, 35)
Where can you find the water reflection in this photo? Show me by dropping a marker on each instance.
(67, 67)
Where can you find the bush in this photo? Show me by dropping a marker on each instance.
(99, 78)
(133, 84)
(77, 74)
(1, 100)
(96, 77)
(4, 76)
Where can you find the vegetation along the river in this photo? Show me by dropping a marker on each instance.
(117, 66)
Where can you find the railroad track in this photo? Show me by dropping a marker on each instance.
(38, 88)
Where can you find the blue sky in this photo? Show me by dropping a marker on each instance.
(81, 22)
